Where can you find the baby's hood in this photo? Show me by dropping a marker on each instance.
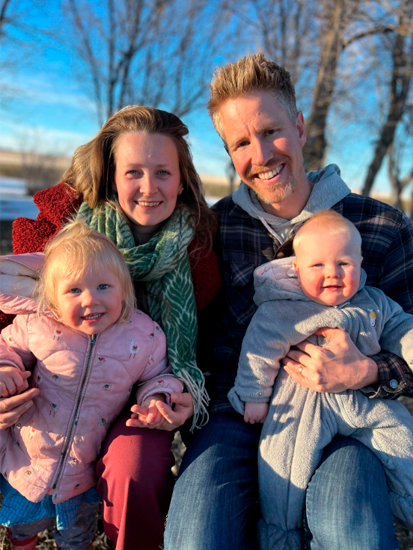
(18, 276)
(277, 280)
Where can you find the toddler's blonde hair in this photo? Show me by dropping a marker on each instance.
(329, 222)
(71, 253)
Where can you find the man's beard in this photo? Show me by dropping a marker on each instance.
(279, 192)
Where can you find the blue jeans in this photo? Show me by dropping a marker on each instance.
(78, 536)
(347, 500)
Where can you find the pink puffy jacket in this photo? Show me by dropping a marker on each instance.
(84, 384)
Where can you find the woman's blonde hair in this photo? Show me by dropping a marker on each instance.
(74, 250)
(92, 170)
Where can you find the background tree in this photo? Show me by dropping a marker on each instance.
(309, 38)
(154, 52)
(399, 98)
(16, 33)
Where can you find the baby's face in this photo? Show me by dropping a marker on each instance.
(328, 267)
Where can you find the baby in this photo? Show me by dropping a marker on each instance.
(85, 345)
(323, 286)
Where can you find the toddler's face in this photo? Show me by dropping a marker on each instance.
(90, 303)
(328, 267)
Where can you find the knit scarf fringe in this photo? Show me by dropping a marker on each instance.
(163, 264)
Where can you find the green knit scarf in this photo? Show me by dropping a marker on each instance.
(163, 264)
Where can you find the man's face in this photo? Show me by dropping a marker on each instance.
(265, 147)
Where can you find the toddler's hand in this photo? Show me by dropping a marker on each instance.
(147, 415)
(12, 381)
(255, 412)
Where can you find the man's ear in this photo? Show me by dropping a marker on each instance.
(295, 266)
(302, 132)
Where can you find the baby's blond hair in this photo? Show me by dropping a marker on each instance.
(329, 222)
(72, 252)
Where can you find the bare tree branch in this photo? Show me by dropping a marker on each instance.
(156, 52)
(402, 72)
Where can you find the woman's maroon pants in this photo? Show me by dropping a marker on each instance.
(135, 482)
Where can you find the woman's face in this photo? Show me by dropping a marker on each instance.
(147, 177)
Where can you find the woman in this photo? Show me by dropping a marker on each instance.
(139, 186)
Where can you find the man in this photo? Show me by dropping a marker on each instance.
(253, 108)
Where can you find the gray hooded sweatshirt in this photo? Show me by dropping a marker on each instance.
(301, 422)
(328, 190)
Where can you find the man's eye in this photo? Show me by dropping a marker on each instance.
(103, 286)
(241, 144)
(343, 263)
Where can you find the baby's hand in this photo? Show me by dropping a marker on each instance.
(148, 414)
(12, 381)
(255, 412)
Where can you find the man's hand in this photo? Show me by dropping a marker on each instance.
(12, 381)
(255, 412)
(336, 367)
(11, 408)
(183, 410)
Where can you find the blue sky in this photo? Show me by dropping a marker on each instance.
(49, 112)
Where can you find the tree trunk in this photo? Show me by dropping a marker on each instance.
(400, 84)
(331, 50)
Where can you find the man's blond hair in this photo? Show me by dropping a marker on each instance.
(71, 253)
(252, 73)
(329, 222)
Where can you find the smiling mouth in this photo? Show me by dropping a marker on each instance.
(333, 287)
(148, 204)
(270, 173)
(92, 317)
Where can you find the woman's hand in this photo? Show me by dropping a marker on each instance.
(11, 408)
(13, 381)
(336, 367)
(173, 418)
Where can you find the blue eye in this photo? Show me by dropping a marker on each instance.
(163, 173)
(74, 290)
(103, 286)
(134, 173)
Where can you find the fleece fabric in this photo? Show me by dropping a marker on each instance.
(301, 422)
(330, 190)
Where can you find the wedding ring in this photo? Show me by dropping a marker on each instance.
(300, 370)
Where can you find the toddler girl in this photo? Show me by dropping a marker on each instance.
(85, 345)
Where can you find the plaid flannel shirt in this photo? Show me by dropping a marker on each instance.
(243, 243)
